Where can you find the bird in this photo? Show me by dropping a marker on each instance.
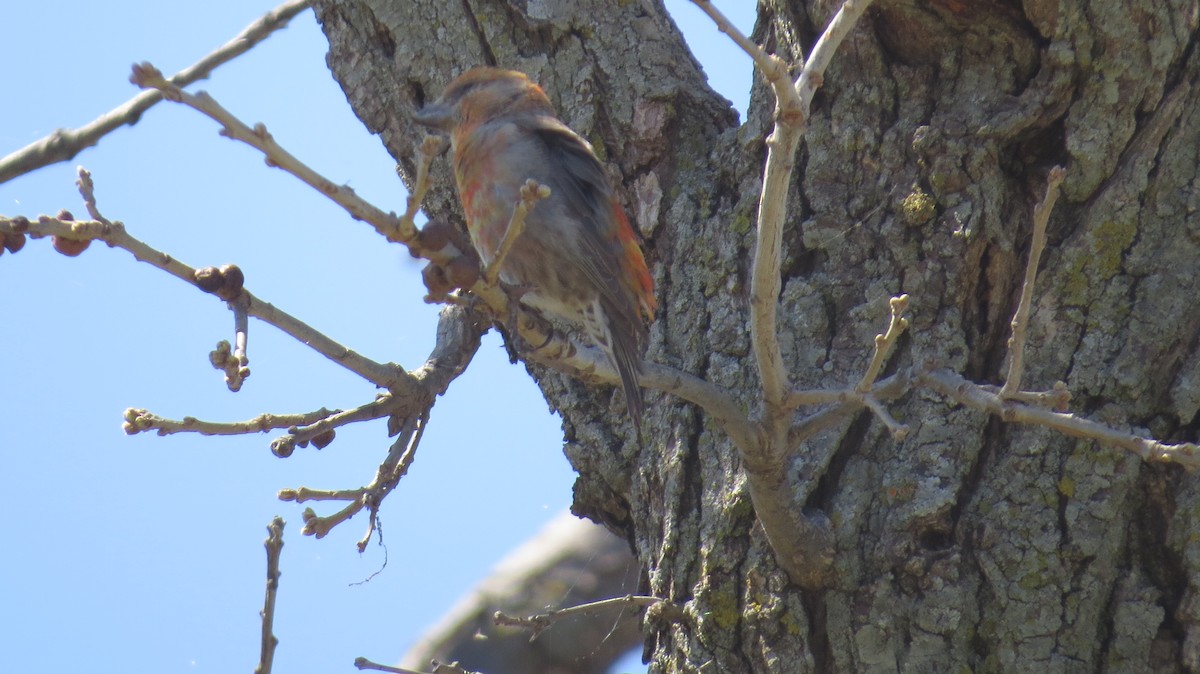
(577, 259)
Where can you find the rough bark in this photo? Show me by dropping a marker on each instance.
(973, 545)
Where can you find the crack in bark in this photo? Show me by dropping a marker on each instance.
(485, 46)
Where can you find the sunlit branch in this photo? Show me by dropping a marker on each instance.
(884, 343)
(274, 546)
(539, 622)
(955, 387)
(141, 421)
(438, 667)
(1020, 321)
(64, 144)
(813, 75)
(531, 193)
(394, 467)
(115, 235)
(388, 224)
(431, 146)
(773, 68)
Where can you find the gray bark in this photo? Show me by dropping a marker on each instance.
(972, 545)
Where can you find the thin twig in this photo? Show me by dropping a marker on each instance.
(539, 622)
(363, 663)
(449, 668)
(241, 334)
(1020, 321)
(140, 421)
(898, 430)
(388, 224)
(886, 389)
(431, 146)
(772, 67)
(302, 494)
(955, 387)
(531, 193)
(302, 433)
(1058, 398)
(87, 190)
(274, 545)
(394, 467)
(813, 75)
(320, 526)
(64, 144)
(885, 342)
(115, 235)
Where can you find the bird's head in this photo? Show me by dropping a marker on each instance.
(482, 94)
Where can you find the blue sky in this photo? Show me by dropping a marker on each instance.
(143, 554)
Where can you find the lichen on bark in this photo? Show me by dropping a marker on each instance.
(972, 545)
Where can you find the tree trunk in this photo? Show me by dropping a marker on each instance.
(973, 545)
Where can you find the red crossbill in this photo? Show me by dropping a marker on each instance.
(577, 259)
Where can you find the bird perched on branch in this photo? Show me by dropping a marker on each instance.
(577, 258)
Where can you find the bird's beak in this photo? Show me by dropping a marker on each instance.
(437, 115)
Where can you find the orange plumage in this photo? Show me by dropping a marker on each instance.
(578, 255)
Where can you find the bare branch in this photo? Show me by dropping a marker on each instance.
(431, 146)
(851, 402)
(241, 336)
(539, 622)
(274, 545)
(773, 68)
(320, 431)
(363, 663)
(898, 430)
(818, 61)
(803, 543)
(387, 224)
(1058, 398)
(955, 387)
(302, 494)
(140, 421)
(716, 401)
(115, 235)
(1020, 321)
(783, 143)
(64, 144)
(765, 282)
(387, 476)
(450, 668)
(885, 343)
(458, 337)
(87, 190)
(316, 427)
(531, 193)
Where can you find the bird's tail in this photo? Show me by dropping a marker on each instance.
(623, 348)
